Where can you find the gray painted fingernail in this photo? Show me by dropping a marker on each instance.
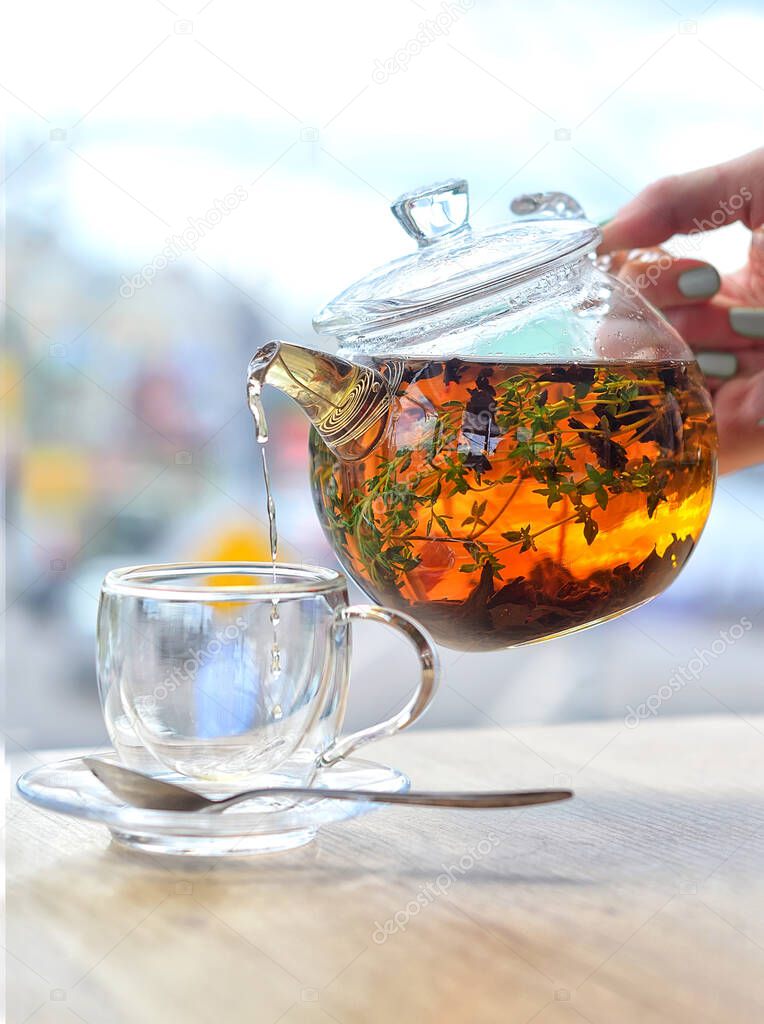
(718, 364)
(699, 283)
(747, 321)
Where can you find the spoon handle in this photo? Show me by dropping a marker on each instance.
(422, 799)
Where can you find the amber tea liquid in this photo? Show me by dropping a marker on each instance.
(508, 503)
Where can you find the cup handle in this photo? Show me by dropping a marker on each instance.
(419, 700)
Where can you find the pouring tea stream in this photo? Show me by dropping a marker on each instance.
(254, 388)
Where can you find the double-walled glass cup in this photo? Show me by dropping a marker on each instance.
(233, 675)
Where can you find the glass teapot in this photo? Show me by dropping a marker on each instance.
(511, 444)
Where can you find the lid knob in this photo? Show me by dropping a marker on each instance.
(429, 214)
(546, 205)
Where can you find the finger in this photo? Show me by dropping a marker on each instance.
(739, 410)
(666, 281)
(719, 366)
(712, 326)
(687, 203)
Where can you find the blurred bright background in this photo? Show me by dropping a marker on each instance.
(127, 435)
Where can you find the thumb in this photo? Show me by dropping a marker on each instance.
(687, 203)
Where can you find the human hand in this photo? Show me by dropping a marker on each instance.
(721, 318)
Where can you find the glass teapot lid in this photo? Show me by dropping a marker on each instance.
(454, 264)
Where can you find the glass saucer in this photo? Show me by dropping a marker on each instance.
(68, 787)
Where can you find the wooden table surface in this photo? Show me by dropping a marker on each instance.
(642, 900)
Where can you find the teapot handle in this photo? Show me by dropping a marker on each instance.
(546, 206)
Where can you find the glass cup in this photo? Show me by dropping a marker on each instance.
(236, 675)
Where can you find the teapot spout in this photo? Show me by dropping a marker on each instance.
(346, 402)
